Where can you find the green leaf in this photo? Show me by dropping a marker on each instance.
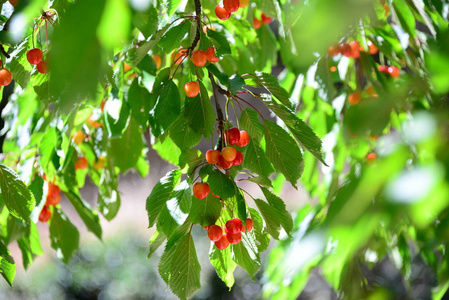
(284, 216)
(176, 210)
(182, 134)
(138, 101)
(220, 184)
(220, 42)
(236, 83)
(167, 150)
(161, 194)
(283, 152)
(167, 107)
(15, 194)
(261, 180)
(270, 216)
(157, 239)
(109, 201)
(255, 159)
(223, 264)
(171, 40)
(250, 122)
(270, 83)
(30, 245)
(260, 236)
(246, 255)
(87, 214)
(146, 21)
(116, 14)
(126, 150)
(405, 16)
(48, 147)
(7, 265)
(135, 55)
(63, 235)
(205, 211)
(172, 6)
(19, 66)
(199, 113)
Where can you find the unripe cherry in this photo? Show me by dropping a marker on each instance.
(34, 56)
(238, 159)
(45, 214)
(234, 226)
(222, 243)
(201, 190)
(229, 153)
(232, 136)
(234, 238)
(192, 89)
(214, 232)
(222, 13)
(231, 5)
(199, 58)
(210, 54)
(5, 77)
(213, 156)
(244, 139)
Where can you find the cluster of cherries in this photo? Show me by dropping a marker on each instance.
(229, 156)
(35, 57)
(224, 11)
(263, 19)
(53, 198)
(232, 233)
(390, 70)
(82, 162)
(352, 49)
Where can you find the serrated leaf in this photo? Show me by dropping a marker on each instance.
(250, 122)
(7, 265)
(270, 216)
(255, 159)
(236, 83)
(48, 147)
(260, 236)
(172, 6)
(167, 150)
(285, 218)
(283, 152)
(109, 202)
(261, 180)
(30, 245)
(246, 255)
(220, 184)
(223, 264)
(182, 134)
(87, 214)
(136, 55)
(171, 40)
(63, 235)
(160, 194)
(222, 77)
(271, 83)
(199, 114)
(190, 158)
(405, 17)
(167, 108)
(146, 21)
(220, 42)
(138, 101)
(15, 194)
(205, 211)
(176, 209)
(157, 239)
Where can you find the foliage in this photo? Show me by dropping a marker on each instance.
(115, 88)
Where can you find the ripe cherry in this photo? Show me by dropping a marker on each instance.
(215, 233)
(222, 243)
(234, 226)
(234, 238)
(249, 225)
(201, 190)
(81, 163)
(224, 163)
(243, 3)
(222, 13)
(257, 23)
(231, 5)
(199, 58)
(192, 88)
(94, 123)
(346, 50)
(99, 164)
(244, 139)
(13, 2)
(354, 98)
(371, 157)
(42, 67)
(210, 54)
(266, 19)
(157, 60)
(372, 48)
(53, 200)
(229, 153)
(34, 56)
(212, 156)
(78, 137)
(45, 214)
(333, 51)
(238, 159)
(5, 77)
(232, 136)
(394, 71)
(355, 49)
(179, 56)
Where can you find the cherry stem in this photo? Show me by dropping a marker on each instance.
(252, 106)
(247, 193)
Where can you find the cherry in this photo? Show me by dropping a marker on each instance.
(394, 71)
(371, 157)
(210, 54)
(192, 88)
(266, 19)
(212, 156)
(199, 58)
(224, 163)
(222, 13)
(346, 50)
(157, 60)
(222, 243)
(5, 77)
(354, 98)
(234, 226)
(355, 49)
(42, 67)
(229, 153)
(99, 164)
(53, 195)
(179, 56)
(13, 2)
(81, 163)
(238, 159)
(382, 69)
(249, 225)
(201, 190)
(333, 51)
(372, 48)
(93, 122)
(243, 3)
(78, 137)
(257, 23)
(34, 56)
(126, 68)
(244, 139)
(214, 233)
(45, 214)
(232, 136)
(234, 238)
(231, 5)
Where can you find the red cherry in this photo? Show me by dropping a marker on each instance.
(157, 60)
(371, 157)
(224, 163)
(244, 139)
(231, 5)
(210, 54)
(13, 2)
(45, 214)
(234, 226)
(382, 69)
(78, 137)
(232, 136)
(5, 77)
(355, 49)
(53, 189)
(249, 225)
(234, 238)
(180, 55)
(229, 153)
(222, 13)
(222, 243)
(257, 23)
(81, 163)
(243, 3)
(34, 56)
(199, 58)
(372, 48)
(53, 200)
(346, 50)
(238, 159)
(201, 190)
(215, 233)
(213, 156)
(394, 71)
(354, 98)
(265, 19)
(192, 88)
(42, 67)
